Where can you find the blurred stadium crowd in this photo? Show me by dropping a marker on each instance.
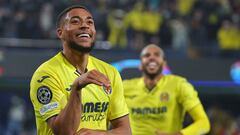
(193, 27)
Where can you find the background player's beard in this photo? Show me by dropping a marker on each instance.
(79, 48)
(153, 75)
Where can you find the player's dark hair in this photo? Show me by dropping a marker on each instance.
(65, 11)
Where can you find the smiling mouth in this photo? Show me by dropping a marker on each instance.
(83, 35)
(152, 64)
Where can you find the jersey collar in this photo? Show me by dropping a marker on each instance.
(158, 86)
(62, 57)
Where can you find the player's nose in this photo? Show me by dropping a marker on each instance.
(84, 25)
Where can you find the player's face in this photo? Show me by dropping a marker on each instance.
(79, 30)
(152, 61)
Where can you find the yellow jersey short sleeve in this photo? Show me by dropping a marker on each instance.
(188, 96)
(45, 95)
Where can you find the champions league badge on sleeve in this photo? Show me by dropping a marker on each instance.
(44, 95)
(107, 90)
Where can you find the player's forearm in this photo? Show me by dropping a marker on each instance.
(68, 120)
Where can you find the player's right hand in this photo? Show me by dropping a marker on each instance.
(91, 77)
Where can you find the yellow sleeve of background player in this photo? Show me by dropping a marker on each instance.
(46, 96)
(201, 124)
(188, 96)
(191, 103)
(118, 106)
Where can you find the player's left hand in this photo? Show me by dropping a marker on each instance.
(162, 133)
(85, 131)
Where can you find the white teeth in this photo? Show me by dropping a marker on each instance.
(84, 35)
(152, 64)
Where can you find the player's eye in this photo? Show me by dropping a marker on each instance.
(75, 21)
(146, 55)
(90, 22)
(157, 54)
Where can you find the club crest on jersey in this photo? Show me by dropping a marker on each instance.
(44, 95)
(164, 97)
(108, 91)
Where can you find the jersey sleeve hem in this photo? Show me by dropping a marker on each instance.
(119, 115)
(45, 118)
(192, 106)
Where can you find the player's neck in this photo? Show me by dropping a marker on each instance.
(151, 82)
(77, 59)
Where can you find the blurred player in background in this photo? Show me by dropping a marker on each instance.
(74, 93)
(157, 102)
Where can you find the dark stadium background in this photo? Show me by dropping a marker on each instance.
(201, 39)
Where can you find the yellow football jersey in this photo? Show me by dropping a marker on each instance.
(163, 108)
(51, 86)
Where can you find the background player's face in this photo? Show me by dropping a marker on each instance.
(152, 61)
(79, 30)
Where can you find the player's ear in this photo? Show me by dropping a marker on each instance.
(59, 33)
